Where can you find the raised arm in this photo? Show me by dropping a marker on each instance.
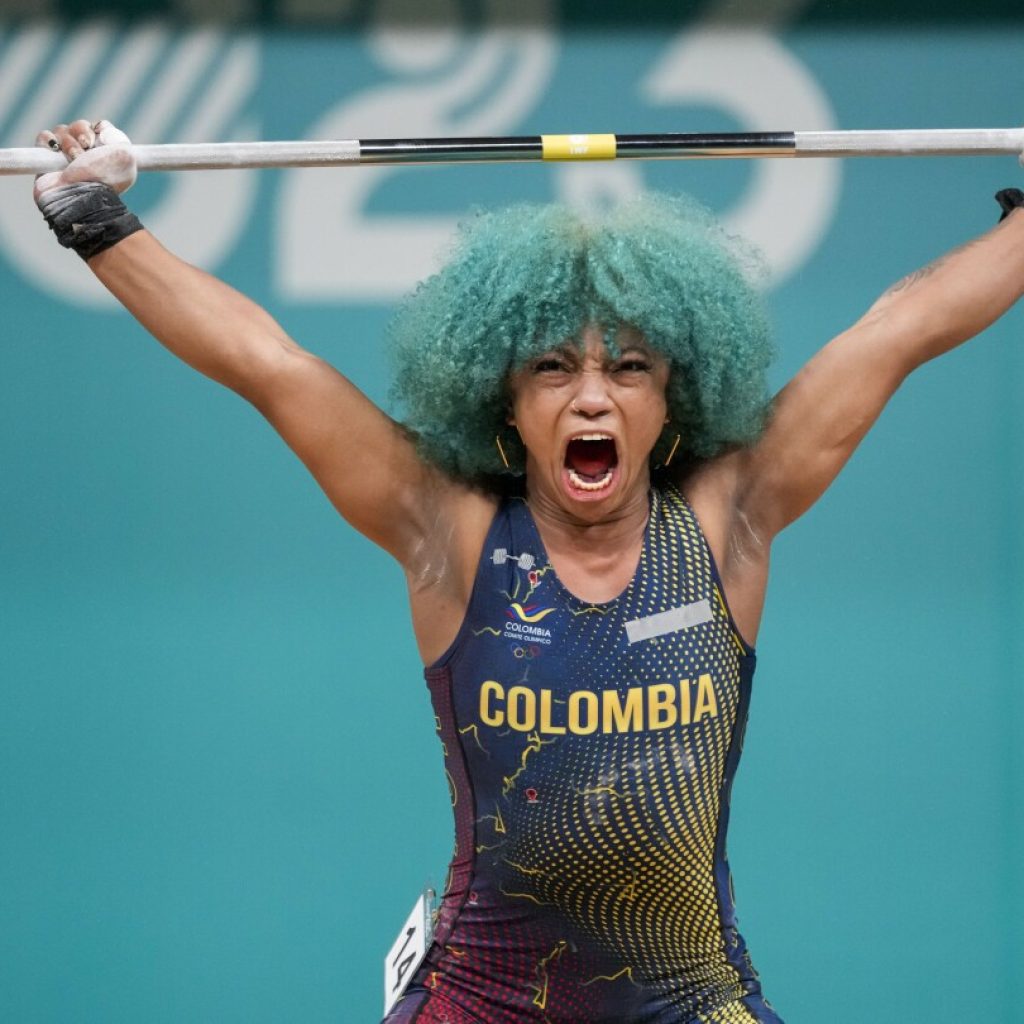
(746, 497)
(364, 461)
(820, 417)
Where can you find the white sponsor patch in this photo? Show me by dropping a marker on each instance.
(674, 619)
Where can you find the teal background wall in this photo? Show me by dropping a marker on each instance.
(220, 788)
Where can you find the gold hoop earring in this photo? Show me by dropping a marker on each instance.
(501, 451)
(675, 445)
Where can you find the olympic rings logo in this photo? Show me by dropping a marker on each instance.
(529, 653)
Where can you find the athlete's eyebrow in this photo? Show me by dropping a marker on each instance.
(565, 351)
(637, 347)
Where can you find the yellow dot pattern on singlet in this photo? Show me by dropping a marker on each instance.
(624, 841)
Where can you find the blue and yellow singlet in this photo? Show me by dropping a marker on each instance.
(590, 750)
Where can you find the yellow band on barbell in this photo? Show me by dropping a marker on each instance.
(578, 147)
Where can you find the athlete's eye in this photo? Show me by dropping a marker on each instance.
(551, 364)
(632, 364)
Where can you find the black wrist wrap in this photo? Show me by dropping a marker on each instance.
(1009, 199)
(88, 217)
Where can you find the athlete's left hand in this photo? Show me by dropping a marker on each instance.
(95, 152)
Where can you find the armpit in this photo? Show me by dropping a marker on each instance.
(746, 545)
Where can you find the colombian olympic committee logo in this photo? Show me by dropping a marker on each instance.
(524, 625)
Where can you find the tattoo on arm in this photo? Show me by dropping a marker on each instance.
(919, 275)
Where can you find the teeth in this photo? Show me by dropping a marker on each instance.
(590, 485)
(592, 437)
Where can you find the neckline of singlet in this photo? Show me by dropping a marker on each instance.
(656, 498)
(653, 508)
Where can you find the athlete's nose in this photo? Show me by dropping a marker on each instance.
(591, 398)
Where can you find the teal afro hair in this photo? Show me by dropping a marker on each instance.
(526, 279)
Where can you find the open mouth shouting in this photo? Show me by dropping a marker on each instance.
(590, 464)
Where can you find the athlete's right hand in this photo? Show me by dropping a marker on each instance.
(96, 152)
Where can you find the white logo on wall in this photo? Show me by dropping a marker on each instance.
(163, 86)
(158, 84)
(785, 211)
